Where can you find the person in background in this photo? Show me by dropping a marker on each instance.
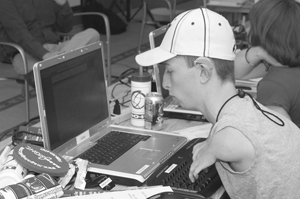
(253, 148)
(34, 25)
(274, 54)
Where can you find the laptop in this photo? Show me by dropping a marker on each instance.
(75, 116)
(172, 108)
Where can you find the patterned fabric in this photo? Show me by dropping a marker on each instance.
(31, 23)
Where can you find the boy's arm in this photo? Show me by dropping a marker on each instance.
(228, 145)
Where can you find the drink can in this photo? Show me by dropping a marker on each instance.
(154, 111)
(42, 186)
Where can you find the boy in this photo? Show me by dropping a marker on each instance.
(256, 151)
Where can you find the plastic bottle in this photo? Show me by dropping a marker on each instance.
(11, 172)
(140, 86)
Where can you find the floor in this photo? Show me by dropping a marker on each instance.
(123, 51)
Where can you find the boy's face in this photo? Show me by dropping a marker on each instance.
(181, 81)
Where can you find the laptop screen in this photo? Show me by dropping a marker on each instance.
(75, 97)
(156, 37)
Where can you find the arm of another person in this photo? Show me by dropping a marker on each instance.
(16, 29)
(248, 65)
(64, 16)
(280, 110)
(228, 145)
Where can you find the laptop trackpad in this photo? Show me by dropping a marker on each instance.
(146, 153)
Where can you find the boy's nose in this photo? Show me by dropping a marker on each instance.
(166, 82)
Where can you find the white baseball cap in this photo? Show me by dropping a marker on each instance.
(197, 32)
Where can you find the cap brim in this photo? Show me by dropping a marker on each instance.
(153, 56)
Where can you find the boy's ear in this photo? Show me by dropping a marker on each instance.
(205, 66)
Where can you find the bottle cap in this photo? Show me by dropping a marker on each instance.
(137, 77)
(40, 160)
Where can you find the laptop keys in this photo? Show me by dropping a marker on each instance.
(111, 146)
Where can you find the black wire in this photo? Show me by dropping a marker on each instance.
(121, 81)
(14, 130)
(113, 89)
(265, 113)
(123, 104)
(217, 118)
(3, 135)
(241, 94)
(125, 74)
(123, 98)
(32, 119)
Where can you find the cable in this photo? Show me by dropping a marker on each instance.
(4, 134)
(127, 73)
(32, 119)
(14, 130)
(267, 113)
(123, 104)
(113, 89)
(122, 76)
(123, 98)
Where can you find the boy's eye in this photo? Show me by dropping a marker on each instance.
(168, 71)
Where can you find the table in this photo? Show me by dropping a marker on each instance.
(223, 8)
(245, 8)
(170, 125)
(122, 93)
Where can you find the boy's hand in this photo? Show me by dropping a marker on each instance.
(202, 158)
(60, 2)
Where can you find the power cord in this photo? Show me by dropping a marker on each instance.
(25, 124)
(26, 136)
(125, 74)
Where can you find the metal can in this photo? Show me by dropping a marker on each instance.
(154, 111)
(42, 186)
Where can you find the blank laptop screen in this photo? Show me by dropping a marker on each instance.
(74, 96)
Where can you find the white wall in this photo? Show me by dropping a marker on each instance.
(74, 2)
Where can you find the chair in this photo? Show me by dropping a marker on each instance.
(26, 88)
(171, 4)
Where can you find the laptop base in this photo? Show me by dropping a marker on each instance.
(185, 116)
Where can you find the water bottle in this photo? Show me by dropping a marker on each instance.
(140, 87)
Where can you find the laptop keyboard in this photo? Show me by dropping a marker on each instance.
(111, 146)
(174, 173)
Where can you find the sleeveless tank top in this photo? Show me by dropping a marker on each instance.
(275, 172)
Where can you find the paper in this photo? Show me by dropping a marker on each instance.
(201, 131)
(129, 194)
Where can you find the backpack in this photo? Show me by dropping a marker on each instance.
(117, 25)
